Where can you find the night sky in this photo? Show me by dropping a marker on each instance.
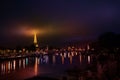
(56, 20)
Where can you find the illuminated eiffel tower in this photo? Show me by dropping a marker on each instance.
(35, 40)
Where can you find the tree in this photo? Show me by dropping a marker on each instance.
(109, 40)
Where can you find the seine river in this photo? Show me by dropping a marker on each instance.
(53, 66)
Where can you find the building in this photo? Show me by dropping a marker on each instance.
(35, 40)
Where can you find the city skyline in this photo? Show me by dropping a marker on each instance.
(60, 40)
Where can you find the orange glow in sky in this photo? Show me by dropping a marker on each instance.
(29, 31)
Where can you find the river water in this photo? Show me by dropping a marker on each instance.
(55, 65)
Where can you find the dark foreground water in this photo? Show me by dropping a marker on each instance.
(59, 66)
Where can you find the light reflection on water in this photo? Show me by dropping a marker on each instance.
(54, 59)
(13, 65)
(20, 63)
(24, 63)
(70, 59)
(36, 67)
(80, 58)
(8, 66)
(89, 59)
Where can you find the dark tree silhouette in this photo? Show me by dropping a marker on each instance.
(109, 40)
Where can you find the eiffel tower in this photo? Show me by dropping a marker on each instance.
(35, 40)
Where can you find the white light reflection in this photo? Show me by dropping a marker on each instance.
(72, 53)
(14, 64)
(80, 58)
(65, 55)
(8, 66)
(76, 53)
(60, 54)
(20, 63)
(2, 68)
(68, 55)
(23, 63)
(89, 60)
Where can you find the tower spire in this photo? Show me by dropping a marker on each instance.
(35, 40)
